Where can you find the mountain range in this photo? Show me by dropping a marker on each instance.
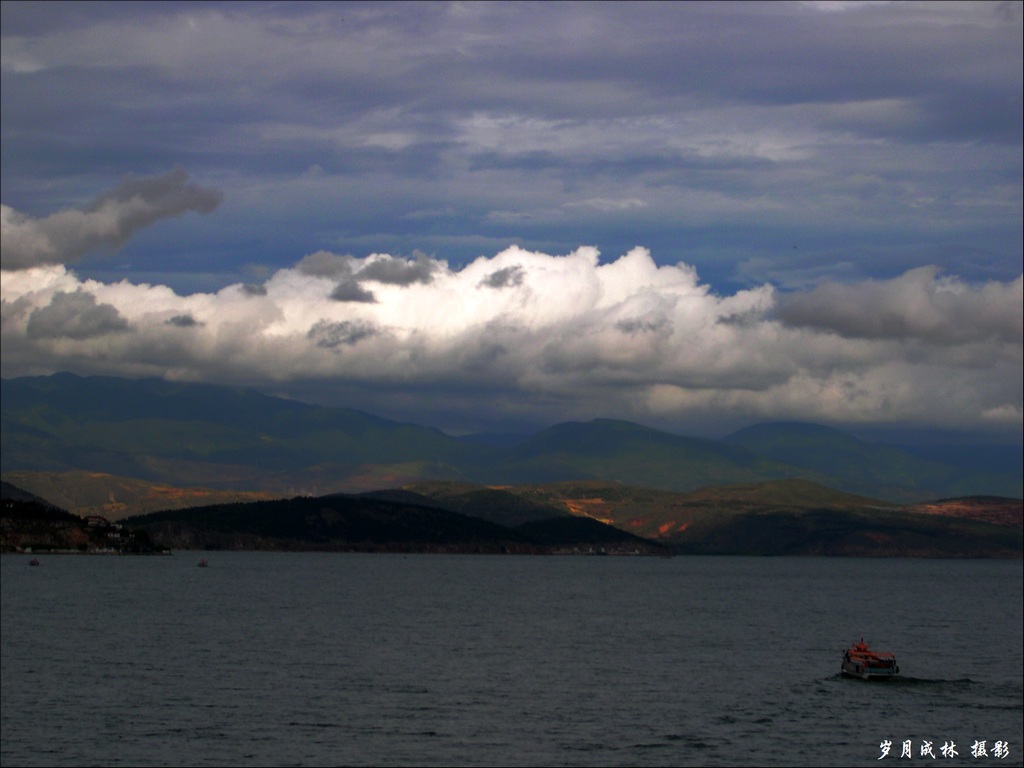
(786, 517)
(236, 440)
(204, 466)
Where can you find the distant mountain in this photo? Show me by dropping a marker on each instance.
(207, 435)
(860, 467)
(988, 459)
(115, 497)
(621, 451)
(200, 436)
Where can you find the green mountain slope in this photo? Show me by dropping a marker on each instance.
(620, 451)
(861, 467)
(225, 438)
(198, 434)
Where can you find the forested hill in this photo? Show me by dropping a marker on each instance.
(200, 436)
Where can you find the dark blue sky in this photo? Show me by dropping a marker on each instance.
(384, 205)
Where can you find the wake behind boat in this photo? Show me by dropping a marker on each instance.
(862, 662)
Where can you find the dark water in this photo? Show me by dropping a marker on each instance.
(320, 659)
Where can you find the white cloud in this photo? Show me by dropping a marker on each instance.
(624, 338)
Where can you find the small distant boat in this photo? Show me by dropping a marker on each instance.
(34, 561)
(203, 563)
(861, 662)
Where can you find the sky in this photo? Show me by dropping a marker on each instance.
(499, 216)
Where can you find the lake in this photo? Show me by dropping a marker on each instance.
(347, 659)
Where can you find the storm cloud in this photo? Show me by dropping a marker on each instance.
(917, 305)
(74, 316)
(64, 237)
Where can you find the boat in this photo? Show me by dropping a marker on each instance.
(34, 561)
(861, 662)
(203, 563)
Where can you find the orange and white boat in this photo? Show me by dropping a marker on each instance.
(862, 662)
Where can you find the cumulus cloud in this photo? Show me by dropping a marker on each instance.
(350, 290)
(919, 304)
(66, 236)
(183, 321)
(325, 264)
(74, 316)
(383, 268)
(350, 273)
(635, 325)
(565, 336)
(254, 289)
(500, 278)
(330, 335)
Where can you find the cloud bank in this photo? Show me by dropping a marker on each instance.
(534, 336)
(918, 305)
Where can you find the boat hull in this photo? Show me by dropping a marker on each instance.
(866, 672)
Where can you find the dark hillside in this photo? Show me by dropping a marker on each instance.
(29, 524)
(336, 522)
(790, 517)
(499, 505)
(590, 535)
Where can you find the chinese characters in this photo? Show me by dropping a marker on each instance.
(927, 749)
